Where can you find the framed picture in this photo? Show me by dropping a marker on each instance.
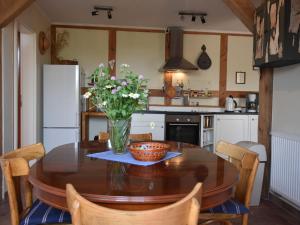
(240, 77)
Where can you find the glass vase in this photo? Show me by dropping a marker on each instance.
(118, 134)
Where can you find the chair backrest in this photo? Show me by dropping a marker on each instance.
(140, 137)
(246, 162)
(183, 212)
(15, 168)
(104, 136)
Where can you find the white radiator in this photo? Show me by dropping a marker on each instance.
(285, 167)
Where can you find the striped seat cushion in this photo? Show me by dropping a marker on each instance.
(230, 207)
(41, 213)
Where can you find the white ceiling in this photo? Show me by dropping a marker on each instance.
(144, 13)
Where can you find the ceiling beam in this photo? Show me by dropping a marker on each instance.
(9, 9)
(244, 10)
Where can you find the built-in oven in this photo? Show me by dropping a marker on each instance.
(183, 128)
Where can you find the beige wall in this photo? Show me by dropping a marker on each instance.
(144, 52)
(202, 79)
(89, 47)
(239, 59)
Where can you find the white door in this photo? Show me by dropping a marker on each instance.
(54, 137)
(231, 128)
(61, 96)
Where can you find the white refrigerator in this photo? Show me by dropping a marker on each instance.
(61, 105)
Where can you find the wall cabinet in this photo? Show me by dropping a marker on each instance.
(235, 128)
(149, 123)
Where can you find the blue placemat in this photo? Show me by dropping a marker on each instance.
(127, 158)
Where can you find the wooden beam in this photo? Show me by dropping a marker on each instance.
(53, 42)
(10, 9)
(244, 10)
(223, 70)
(265, 121)
(112, 49)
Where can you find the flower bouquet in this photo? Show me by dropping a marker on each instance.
(118, 98)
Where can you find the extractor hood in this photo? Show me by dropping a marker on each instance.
(176, 61)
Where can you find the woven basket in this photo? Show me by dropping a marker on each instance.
(148, 151)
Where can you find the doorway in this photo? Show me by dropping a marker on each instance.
(27, 88)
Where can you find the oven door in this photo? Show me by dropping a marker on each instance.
(183, 132)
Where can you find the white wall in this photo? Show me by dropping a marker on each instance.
(286, 95)
(35, 21)
(7, 87)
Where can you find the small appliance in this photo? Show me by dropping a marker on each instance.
(230, 104)
(252, 103)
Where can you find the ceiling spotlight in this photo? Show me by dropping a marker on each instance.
(193, 15)
(109, 14)
(203, 19)
(95, 13)
(98, 9)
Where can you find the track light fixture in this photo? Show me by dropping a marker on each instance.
(97, 9)
(194, 15)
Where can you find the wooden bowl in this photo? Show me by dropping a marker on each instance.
(148, 151)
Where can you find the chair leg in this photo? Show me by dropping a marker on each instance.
(245, 219)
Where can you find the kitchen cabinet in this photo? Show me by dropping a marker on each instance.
(149, 123)
(235, 128)
(207, 132)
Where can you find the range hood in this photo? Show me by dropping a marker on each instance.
(176, 61)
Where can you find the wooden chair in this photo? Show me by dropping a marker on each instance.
(183, 212)
(247, 163)
(15, 169)
(104, 136)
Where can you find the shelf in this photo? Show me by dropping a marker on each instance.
(207, 144)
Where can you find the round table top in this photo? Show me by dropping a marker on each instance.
(131, 186)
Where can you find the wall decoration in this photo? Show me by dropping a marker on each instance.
(240, 77)
(277, 33)
(204, 61)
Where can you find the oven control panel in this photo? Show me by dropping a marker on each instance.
(183, 118)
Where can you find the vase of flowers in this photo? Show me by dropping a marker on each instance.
(118, 97)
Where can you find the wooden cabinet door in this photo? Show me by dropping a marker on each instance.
(231, 128)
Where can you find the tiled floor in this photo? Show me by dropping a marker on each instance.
(266, 214)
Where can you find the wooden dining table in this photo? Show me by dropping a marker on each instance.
(131, 187)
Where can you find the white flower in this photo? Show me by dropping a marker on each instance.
(108, 86)
(87, 95)
(124, 65)
(101, 65)
(104, 103)
(125, 95)
(134, 95)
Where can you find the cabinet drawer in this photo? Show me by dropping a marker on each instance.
(140, 117)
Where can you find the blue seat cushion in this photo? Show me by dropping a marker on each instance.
(41, 213)
(230, 207)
